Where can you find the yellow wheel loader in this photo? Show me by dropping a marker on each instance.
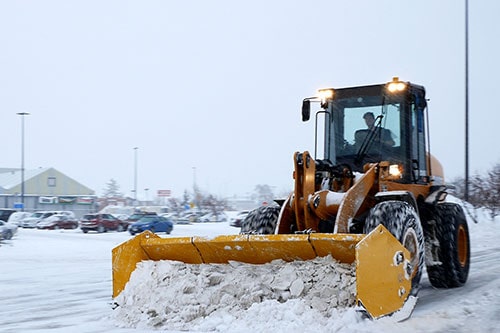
(371, 195)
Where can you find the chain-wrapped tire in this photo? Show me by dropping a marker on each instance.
(447, 233)
(402, 221)
(261, 220)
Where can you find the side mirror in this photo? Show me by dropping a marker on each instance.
(306, 110)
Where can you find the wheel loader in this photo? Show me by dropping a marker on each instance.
(371, 194)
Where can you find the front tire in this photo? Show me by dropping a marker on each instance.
(402, 221)
(449, 259)
(262, 220)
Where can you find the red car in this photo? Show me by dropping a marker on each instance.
(58, 221)
(101, 223)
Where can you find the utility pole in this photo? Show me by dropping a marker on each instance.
(22, 114)
(135, 175)
(466, 190)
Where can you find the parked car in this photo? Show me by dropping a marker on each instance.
(137, 216)
(238, 219)
(101, 223)
(32, 221)
(5, 213)
(67, 213)
(188, 217)
(122, 217)
(7, 230)
(153, 223)
(58, 221)
(211, 217)
(18, 217)
(172, 216)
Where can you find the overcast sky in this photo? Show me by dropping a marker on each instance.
(210, 91)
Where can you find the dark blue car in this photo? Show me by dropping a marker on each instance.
(153, 223)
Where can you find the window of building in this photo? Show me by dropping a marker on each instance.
(51, 181)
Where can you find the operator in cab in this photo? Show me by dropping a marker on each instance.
(384, 136)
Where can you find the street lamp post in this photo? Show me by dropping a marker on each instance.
(466, 190)
(22, 114)
(135, 175)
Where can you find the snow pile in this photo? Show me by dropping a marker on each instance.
(175, 296)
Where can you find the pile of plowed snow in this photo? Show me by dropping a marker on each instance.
(175, 296)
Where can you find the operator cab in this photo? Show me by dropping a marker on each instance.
(375, 123)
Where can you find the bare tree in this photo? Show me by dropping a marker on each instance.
(213, 204)
(175, 205)
(263, 194)
(493, 198)
(484, 190)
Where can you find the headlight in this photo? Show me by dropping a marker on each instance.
(395, 171)
(390, 171)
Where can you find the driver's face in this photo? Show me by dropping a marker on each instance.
(369, 121)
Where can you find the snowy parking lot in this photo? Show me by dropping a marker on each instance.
(60, 281)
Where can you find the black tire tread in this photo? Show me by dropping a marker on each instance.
(262, 220)
(398, 217)
(445, 271)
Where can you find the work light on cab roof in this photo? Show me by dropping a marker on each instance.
(395, 85)
(325, 95)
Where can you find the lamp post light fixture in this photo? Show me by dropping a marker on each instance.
(22, 114)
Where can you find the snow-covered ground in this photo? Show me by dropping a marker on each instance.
(60, 281)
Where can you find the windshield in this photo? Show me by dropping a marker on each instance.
(135, 216)
(150, 218)
(364, 130)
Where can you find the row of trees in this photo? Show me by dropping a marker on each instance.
(484, 190)
(196, 199)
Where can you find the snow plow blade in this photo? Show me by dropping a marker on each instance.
(382, 263)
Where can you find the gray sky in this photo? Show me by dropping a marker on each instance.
(217, 85)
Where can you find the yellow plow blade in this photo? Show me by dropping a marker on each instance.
(382, 283)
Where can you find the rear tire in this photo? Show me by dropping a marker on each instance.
(402, 221)
(262, 220)
(8, 235)
(449, 259)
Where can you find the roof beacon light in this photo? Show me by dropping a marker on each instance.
(396, 85)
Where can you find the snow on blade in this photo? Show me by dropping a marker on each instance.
(176, 296)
